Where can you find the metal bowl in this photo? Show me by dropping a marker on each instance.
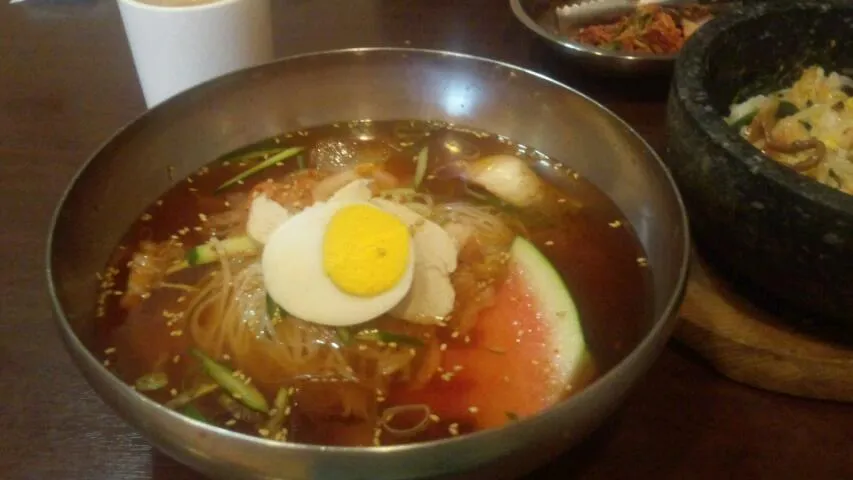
(539, 16)
(783, 237)
(179, 136)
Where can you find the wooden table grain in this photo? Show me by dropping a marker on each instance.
(67, 82)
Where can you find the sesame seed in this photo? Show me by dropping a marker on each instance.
(286, 411)
(615, 224)
(413, 352)
(561, 200)
(176, 333)
(549, 242)
(473, 409)
(145, 217)
(264, 432)
(225, 356)
(434, 418)
(202, 217)
(231, 422)
(227, 203)
(453, 429)
(107, 362)
(442, 347)
(173, 392)
(362, 347)
(159, 202)
(467, 339)
(110, 350)
(455, 334)
(457, 368)
(236, 396)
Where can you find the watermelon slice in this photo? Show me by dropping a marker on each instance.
(524, 352)
(555, 307)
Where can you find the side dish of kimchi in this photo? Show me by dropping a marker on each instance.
(649, 29)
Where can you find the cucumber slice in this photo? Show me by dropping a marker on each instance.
(234, 246)
(555, 304)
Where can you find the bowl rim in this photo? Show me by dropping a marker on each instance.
(662, 326)
(692, 93)
(582, 49)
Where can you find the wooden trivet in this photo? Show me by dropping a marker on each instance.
(753, 347)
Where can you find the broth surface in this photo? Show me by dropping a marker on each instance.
(495, 372)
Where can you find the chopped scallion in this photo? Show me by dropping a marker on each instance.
(272, 160)
(247, 394)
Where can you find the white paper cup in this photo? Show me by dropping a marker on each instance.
(177, 47)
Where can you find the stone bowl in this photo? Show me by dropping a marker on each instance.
(782, 236)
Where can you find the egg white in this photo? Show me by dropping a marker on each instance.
(292, 265)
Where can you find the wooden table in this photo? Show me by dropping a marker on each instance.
(67, 82)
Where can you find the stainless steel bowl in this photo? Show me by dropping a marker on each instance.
(153, 152)
(539, 16)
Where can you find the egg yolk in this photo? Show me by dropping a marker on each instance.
(365, 250)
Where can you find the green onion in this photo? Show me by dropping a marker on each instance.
(786, 109)
(152, 381)
(248, 395)
(744, 120)
(272, 160)
(194, 413)
(250, 155)
(421, 162)
(388, 337)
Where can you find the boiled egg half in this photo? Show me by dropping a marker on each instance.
(339, 263)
